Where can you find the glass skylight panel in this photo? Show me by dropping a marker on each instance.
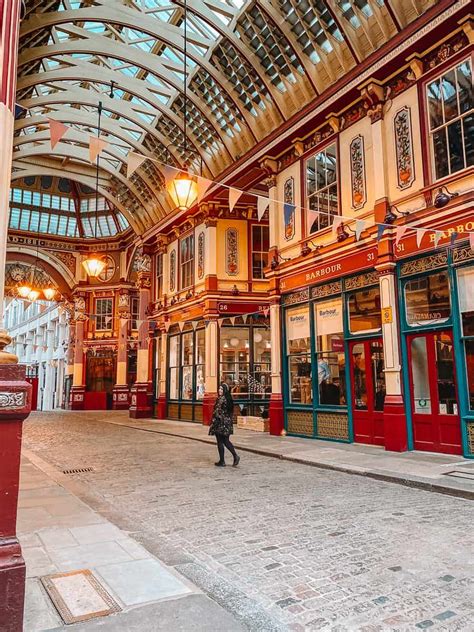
(95, 27)
(53, 224)
(71, 230)
(15, 218)
(62, 224)
(25, 219)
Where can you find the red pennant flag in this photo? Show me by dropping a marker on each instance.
(57, 131)
(96, 145)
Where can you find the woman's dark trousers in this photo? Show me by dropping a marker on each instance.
(224, 440)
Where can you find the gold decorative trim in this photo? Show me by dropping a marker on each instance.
(361, 280)
(438, 260)
(470, 437)
(332, 425)
(300, 422)
(296, 297)
(328, 289)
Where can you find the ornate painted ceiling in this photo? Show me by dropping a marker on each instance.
(251, 66)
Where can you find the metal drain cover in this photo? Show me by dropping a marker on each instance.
(79, 596)
(78, 470)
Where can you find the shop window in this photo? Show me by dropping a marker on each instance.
(260, 246)
(159, 277)
(174, 367)
(427, 300)
(451, 120)
(321, 188)
(299, 355)
(466, 309)
(134, 311)
(235, 359)
(364, 311)
(104, 314)
(187, 361)
(245, 361)
(330, 356)
(200, 364)
(187, 261)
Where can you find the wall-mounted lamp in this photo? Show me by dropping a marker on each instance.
(275, 262)
(391, 216)
(444, 197)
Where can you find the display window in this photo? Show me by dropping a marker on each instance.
(330, 356)
(465, 278)
(186, 365)
(245, 361)
(364, 311)
(298, 338)
(322, 188)
(427, 300)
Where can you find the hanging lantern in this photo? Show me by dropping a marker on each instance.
(49, 293)
(93, 265)
(33, 295)
(183, 191)
(24, 290)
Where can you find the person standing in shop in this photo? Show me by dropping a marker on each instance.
(222, 425)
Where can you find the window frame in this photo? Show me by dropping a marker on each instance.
(189, 262)
(304, 160)
(429, 167)
(159, 276)
(261, 227)
(104, 315)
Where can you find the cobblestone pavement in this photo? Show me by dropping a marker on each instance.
(282, 546)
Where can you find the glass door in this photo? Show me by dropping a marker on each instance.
(368, 390)
(434, 404)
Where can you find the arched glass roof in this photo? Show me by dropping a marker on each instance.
(59, 206)
(252, 64)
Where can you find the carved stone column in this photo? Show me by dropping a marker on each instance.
(141, 396)
(78, 387)
(121, 395)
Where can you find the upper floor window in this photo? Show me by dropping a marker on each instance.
(134, 311)
(104, 314)
(321, 188)
(159, 276)
(260, 245)
(451, 120)
(187, 261)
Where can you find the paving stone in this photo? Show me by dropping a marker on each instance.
(350, 550)
(443, 616)
(423, 625)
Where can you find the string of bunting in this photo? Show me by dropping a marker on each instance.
(134, 160)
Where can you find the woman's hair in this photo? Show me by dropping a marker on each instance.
(228, 397)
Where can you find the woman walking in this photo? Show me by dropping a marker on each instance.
(222, 425)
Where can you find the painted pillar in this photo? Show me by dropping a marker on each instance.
(395, 425)
(212, 377)
(141, 397)
(78, 388)
(276, 397)
(210, 259)
(120, 395)
(48, 393)
(15, 403)
(161, 408)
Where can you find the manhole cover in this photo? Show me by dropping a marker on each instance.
(78, 470)
(466, 475)
(79, 596)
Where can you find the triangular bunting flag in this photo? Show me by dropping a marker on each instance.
(35, 347)
(167, 325)
(399, 232)
(337, 221)
(420, 233)
(181, 325)
(266, 311)
(234, 195)
(108, 319)
(134, 161)
(380, 231)
(194, 324)
(56, 131)
(169, 173)
(26, 304)
(202, 186)
(96, 145)
(471, 241)
(232, 320)
(220, 321)
(245, 316)
(359, 228)
(262, 205)
(437, 237)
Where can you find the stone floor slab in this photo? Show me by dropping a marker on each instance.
(88, 555)
(141, 581)
(40, 613)
(90, 534)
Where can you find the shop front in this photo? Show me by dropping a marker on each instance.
(334, 377)
(437, 319)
